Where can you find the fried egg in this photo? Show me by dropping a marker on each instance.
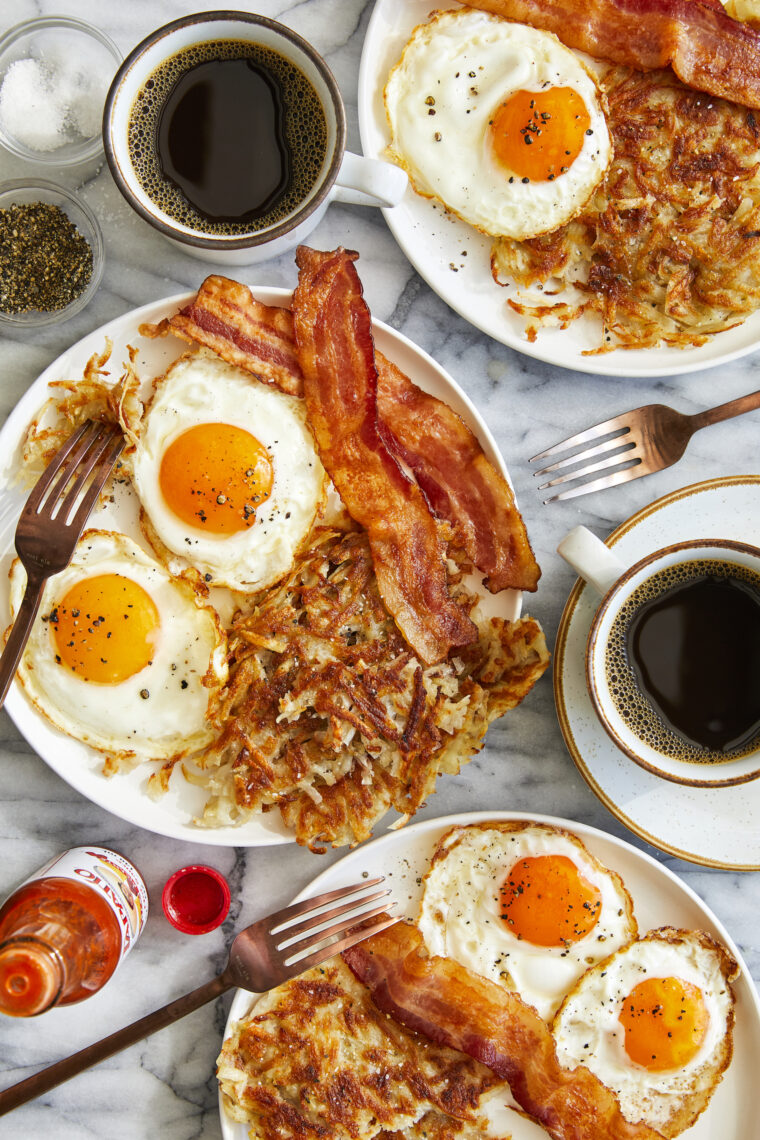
(654, 1022)
(121, 655)
(226, 473)
(500, 122)
(524, 904)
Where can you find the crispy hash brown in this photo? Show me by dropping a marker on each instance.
(331, 717)
(668, 249)
(317, 1059)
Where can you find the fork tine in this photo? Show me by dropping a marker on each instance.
(277, 921)
(293, 932)
(106, 462)
(614, 461)
(317, 942)
(633, 472)
(70, 453)
(606, 428)
(619, 441)
(81, 474)
(351, 938)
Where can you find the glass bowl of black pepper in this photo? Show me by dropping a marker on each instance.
(51, 254)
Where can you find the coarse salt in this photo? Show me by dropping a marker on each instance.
(47, 103)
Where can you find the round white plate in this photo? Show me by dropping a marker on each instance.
(717, 827)
(79, 765)
(659, 898)
(454, 259)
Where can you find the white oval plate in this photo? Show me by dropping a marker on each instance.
(659, 898)
(716, 827)
(79, 765)
(435, 242)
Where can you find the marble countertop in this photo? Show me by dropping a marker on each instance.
(166, 1086)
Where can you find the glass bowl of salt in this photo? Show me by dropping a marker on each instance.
(54, 76)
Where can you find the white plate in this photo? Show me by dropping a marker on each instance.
(716, 827)
(79, 765)
(659, 899)
(434, 242)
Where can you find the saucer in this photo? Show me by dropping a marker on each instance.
(715, 827)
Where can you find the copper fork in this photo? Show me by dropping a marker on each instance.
(52, 521)
(262, 956)
(630, 445)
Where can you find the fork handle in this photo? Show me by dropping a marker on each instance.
(726, 411)
(19, 635)
(47, 1079)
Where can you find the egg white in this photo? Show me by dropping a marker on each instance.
(201, 388)
(453, 75)
(587, 1030)
(189, 661)
(460, 911)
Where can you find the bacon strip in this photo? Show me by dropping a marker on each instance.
(452, 1006)
(458, 481)
(334, 338)
(226, 317)
(706, 48)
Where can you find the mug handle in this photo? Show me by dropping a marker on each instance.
(369, 182)
(591, 559)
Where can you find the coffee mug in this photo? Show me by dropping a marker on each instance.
(338, 175)
(650, 682)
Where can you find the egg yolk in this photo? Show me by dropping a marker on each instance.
(665, 1022)
(214, 476)
(105, 628)
(539, 134)
(547, 901)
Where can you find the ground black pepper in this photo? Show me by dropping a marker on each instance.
(45, 262)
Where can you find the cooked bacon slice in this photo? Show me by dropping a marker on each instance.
(227, 318)
(334, 338)
(706, 48)
(458, 481)
(452, 1006)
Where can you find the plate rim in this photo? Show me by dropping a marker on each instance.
(127, 325)
(601, 364)
(560, 646)
(322, 881)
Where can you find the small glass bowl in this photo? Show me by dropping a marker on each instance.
(21, 193)
(57, 41)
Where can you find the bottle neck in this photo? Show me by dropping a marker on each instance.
(32, 976)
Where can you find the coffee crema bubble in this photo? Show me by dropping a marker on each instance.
(227, 137)
(682, 661)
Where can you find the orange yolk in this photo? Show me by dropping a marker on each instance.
(546, 901)
(665, 1022)
(105, 629)
(539, 134)
(214, 476)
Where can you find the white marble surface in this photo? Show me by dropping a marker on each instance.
(165, 1086)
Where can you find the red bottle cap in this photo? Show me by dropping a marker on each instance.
(196, 899)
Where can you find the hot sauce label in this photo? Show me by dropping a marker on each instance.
(112, 876)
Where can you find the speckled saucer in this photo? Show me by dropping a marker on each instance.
(715, 827)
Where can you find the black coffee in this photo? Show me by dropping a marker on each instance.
(227, 137)
(683, 661)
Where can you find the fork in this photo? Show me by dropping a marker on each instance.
(645, 440)
(262, 956)
(52, 522)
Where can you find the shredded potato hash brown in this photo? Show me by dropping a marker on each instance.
(668, 249)
(315, 1058)
(330, 716)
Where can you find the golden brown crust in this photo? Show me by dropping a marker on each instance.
(668, 250)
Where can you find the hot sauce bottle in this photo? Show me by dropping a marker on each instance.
(64, 931)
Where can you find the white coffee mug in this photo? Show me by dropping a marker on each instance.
(344, 177)
(617, 582)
